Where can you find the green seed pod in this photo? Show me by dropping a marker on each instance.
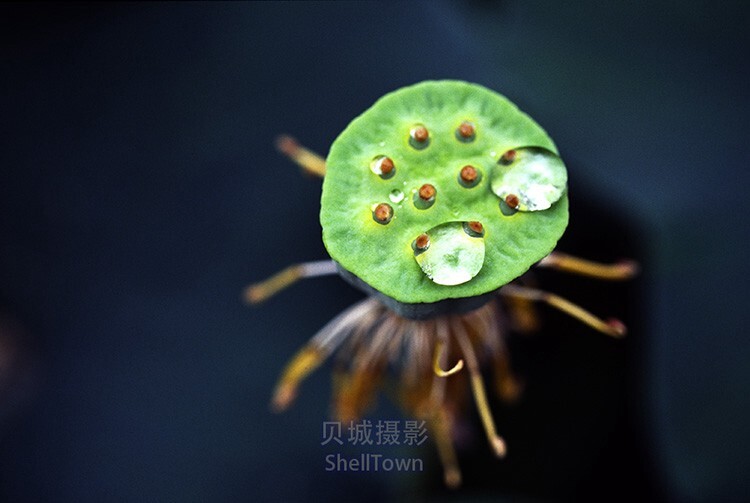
(433, 199)
(430, 133)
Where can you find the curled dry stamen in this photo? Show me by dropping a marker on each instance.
(439, 347)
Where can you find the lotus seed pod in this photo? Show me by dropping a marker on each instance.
(433, 199)
(446, 145)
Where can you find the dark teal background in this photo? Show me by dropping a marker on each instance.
(140, 192)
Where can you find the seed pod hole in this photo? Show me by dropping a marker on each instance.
(474, 229)
(512, 201)
(469, 176)
(419, 137)
(421, 243)
(382, 213)
(466, 132)
(383, 167)
(425, 196)
(507, 210)
(508, 157)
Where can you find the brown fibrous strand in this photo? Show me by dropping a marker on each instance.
(368, 339)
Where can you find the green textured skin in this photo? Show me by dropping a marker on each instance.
(382, 255)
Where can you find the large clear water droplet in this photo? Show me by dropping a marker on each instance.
(537, 176)
(454, 256)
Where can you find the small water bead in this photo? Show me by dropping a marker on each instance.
(453, 256)
(535, 178)
(383, 167)
(419, 137)
(396, 196)
(382, 213)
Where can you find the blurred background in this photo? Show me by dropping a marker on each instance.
(138, 177)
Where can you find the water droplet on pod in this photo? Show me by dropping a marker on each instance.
(534, 178)
(454, 256)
